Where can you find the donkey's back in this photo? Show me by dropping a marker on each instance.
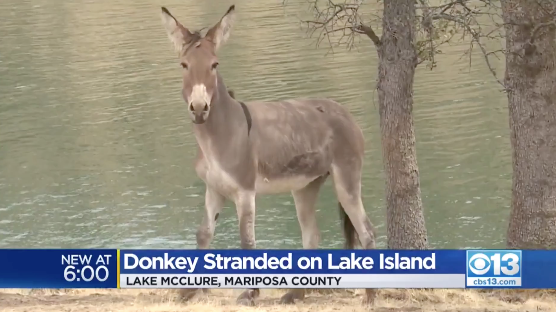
(299, 140)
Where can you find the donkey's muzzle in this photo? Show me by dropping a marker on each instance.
(199, 112)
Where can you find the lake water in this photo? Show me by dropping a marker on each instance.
(96, 146)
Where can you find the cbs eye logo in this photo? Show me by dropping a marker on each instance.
(479, 264)
(501, 263)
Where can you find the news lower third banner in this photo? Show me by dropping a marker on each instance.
(146, 269)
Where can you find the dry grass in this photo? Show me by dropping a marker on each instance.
(224, 300)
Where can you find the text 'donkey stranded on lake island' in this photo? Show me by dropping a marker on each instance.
(218, 262)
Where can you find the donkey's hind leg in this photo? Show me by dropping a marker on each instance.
(305, 200)
(347, 182)
(348, 190)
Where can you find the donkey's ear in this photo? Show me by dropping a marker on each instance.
(177, 33)
(220, 32)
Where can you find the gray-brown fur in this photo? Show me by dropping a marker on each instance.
(292, 146)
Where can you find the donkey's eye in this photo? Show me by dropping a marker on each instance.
(214, 65)
(183, 65)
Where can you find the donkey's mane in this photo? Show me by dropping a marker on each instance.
(195, 39)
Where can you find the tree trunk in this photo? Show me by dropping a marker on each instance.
(397, 62)
(531, 82)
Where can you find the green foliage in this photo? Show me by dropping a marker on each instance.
(430, 37)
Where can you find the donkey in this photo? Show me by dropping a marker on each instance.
(245, 149)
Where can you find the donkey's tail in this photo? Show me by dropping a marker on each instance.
(349, 230)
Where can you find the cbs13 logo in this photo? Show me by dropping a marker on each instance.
(494, 263)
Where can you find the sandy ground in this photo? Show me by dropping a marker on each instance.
(224, 300)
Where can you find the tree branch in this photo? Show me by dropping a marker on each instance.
(437, 25)
(460, 15)
(540, 26)
(331, 18)
(368, 30)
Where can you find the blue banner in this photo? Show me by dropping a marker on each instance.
(511, 269)
(104, 268)
(539, 269)
(58, 268)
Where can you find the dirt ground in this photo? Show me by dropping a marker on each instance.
(224, 300)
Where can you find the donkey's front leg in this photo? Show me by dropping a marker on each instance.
(245, 205)
(214, 202)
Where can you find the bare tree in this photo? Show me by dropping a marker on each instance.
(396, 70)
(529, 30)
(530, 81)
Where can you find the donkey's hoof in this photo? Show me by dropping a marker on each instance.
(186, 294)
(291, 296)
(247, 298)
(248, 302)
(288, 298)
(370, 296)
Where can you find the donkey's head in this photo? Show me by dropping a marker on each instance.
(197, 56)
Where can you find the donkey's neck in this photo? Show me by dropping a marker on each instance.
(226, 125)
